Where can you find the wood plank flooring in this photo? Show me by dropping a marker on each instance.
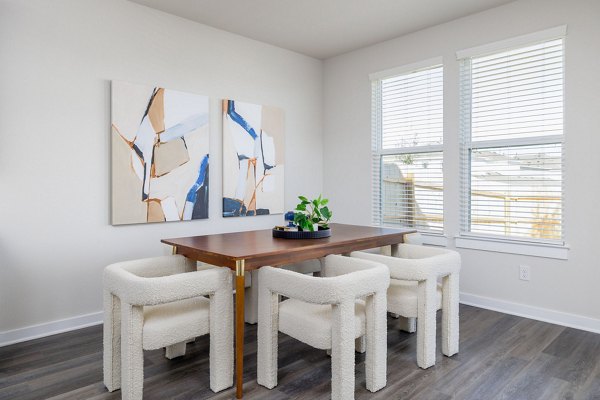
(501, 357)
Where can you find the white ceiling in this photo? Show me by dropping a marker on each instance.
(321, 28)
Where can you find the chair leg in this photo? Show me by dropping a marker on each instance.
(268, 329)
(342, 351)
(221, 340)
(132, 353)
(112, 342)
(427, 292)
(408, 324)
(175, 350)
(360, 344)
(251, 299)
(376, 341)
(450, 321)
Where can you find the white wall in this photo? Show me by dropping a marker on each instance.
(57, 58)
(56, 61)
(564, 286)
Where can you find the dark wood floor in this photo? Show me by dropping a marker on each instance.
(501, 357)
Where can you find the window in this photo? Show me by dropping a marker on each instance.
(511, 126)
(407, 147)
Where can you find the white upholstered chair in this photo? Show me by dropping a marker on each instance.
(251, 285)
(407, 324)
(160, 302)
(251, 293)
(413, 238)
(327, 313)
(414, 292)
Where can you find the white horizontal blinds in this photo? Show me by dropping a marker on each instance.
(512, 132)
(407, 153)
(517, 191)
(412, 186)
(518, 93)
(412, 109)
(375, 148)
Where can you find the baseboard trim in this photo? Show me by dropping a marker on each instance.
(531, 312)
(49, 328)
(507, 307)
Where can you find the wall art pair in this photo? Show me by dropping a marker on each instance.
(160, 156)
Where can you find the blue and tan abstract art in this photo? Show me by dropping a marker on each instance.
(253, 159)
(159, 154)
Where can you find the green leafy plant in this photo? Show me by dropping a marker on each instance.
(407, 159)
(310, 212)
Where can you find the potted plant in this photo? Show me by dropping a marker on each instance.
(312, 215)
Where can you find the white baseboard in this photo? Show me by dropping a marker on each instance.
(50, 328)
(531, 312)
(507, 307)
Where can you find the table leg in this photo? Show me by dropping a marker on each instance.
(394, 250)
(239, 327)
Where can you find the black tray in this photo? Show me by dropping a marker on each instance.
(301, 235)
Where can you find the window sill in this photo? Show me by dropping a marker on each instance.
(433, 239)
(513, 247)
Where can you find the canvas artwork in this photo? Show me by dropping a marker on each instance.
(253, 159)
(160, 154)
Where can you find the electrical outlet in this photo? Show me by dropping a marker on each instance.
(524, 272)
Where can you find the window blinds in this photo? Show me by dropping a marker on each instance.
(412, 109)
(511, 127)
(375, 151)
(412, 188)
(407, 149)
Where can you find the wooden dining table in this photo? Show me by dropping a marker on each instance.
(244, 251)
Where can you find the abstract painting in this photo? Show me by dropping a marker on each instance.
(159, 154)
(253, 159)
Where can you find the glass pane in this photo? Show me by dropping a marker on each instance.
(412, 188)
(517, 191)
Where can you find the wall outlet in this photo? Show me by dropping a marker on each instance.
(524, 272)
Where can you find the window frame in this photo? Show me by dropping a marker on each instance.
(509, 244)
(377, 151)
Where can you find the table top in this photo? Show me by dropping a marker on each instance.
(259, 248)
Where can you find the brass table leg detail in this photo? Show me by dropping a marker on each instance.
(174, 249)
(239, 327)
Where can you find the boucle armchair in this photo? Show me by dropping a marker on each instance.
(251, 285)
(160, 302)
(414, 292)
(251, 293)
(326, 313)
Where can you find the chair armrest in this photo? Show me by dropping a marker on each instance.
(332, 266)
(413, 238)
(304, 267)
(416, 269)
(319, 290)
(415, 251)
(399, 268)
(145, 291)
(158, 266)
(447, 261)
